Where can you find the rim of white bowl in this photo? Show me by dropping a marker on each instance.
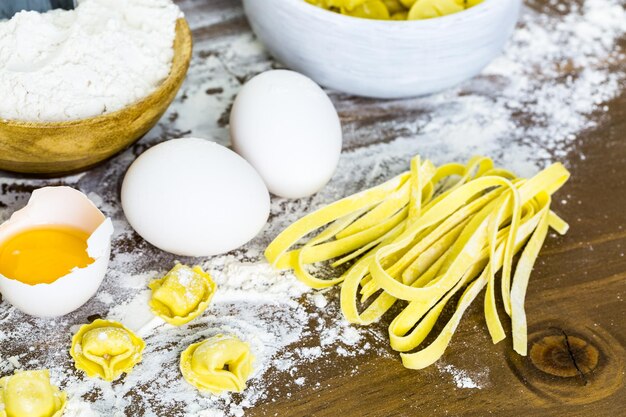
(323, 13)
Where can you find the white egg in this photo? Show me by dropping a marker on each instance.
(193, 197)
(287, 128)
(59, 206)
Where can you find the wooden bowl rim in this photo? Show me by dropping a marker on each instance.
(182, 57)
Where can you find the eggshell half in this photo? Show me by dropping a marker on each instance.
(69, 207)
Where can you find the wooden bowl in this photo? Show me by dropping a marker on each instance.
(70, 146)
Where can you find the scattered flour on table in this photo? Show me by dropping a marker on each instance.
(260, 305)
(553, 82)
(95, 59)
(461, 378)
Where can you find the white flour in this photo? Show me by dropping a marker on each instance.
(461, 378)
(298, 336)
(95, 59)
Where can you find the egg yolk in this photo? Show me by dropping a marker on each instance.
(44, 254)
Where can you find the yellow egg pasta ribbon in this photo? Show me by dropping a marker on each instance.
(423, 237)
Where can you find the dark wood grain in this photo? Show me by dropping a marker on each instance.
(576, 308)
(576, 302)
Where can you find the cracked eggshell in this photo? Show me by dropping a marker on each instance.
(59, 206)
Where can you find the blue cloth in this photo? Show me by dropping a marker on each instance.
(9, 7)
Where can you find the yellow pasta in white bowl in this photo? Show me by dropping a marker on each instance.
(384, 58)
(220, 363)
(182, 294)
(30, 393)
(106, 349)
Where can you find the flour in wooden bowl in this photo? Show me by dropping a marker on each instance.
(73, 64)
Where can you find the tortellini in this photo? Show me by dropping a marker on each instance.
(30, 393)
(106, 349)
(182, 294)
(395, 9)
(220, 363)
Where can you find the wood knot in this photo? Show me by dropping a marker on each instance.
(564, 356)
(570, 363)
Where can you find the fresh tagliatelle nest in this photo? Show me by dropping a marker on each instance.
(423, 237)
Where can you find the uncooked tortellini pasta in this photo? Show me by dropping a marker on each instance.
(395, 9)
(182, 294)
(220, 363)
(106, 349)
(30, 393)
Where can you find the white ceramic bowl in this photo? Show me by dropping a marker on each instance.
(383, 59)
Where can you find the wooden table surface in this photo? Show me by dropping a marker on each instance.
(575, 304)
